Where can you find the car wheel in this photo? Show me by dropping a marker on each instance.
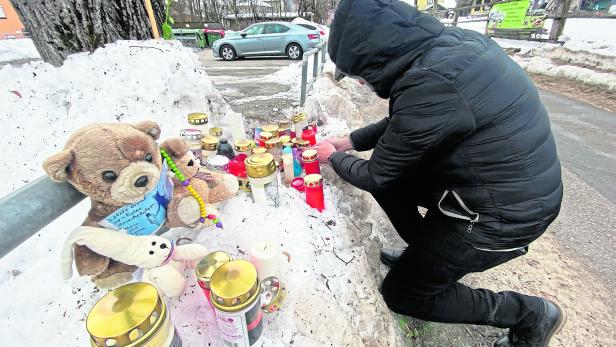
(295, 51)
(228, 53)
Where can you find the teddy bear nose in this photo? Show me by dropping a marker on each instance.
(142, 181)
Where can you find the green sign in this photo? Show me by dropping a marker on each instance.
(509, 15)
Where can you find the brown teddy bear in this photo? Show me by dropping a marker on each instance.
(118, 165)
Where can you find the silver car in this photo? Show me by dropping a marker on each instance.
(267, 39)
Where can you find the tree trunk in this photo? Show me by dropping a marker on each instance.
(63, 27)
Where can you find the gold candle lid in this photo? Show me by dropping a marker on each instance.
(209, 143)
(265, 135)
(126, 315)
(197, 118)
(285, 138)
(243, 145)
(301, 143)
(299, 117)
(234, 285)
(216, 131)
(271, 128)
(260, 165)
(273, 143)
(285, 125)
(309, 155)
(313, 181)
(258, 150)
(273, 294)
(208, 265)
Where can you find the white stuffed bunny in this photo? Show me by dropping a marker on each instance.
(162, 262)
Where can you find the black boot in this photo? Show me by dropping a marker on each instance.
(553, 320)
(389, 257)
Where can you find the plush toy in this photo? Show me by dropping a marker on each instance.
(121, 168)
(215, 187)
(163, 263)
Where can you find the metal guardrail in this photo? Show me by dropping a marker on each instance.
(317, 68)
(29, 209)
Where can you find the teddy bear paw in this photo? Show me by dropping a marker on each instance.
(188, 210)
(231, 183)
(113, 281)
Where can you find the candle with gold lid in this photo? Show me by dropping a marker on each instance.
(210, 145)
(284, 128)
(262, 172)
(259, 150)
(243, 146)
(200, 121)
(300, 122)
(271, 128)
(133, 315)
(235, 291)
(216, 131)
(206, 268)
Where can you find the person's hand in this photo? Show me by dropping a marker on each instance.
(340, 143)
(324, 151)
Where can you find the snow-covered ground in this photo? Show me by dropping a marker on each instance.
(17, 50)
(327, 275)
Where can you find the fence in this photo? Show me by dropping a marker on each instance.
(558, 15)
(317, 68)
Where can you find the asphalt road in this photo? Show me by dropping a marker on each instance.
(250, 87)
(586, 141)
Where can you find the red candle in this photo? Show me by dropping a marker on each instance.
(238, 169)
(310, 161)
(313, 185)
(309, 134)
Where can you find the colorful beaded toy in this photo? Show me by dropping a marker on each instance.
(186, 183)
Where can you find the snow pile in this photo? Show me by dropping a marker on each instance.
(545, 66)
(126, 81)
(327, 273)
(17, 49)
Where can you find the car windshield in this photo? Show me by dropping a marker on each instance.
(254, 30)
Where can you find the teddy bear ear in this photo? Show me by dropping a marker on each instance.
(149, 127)
(175, 146)
(57, 166)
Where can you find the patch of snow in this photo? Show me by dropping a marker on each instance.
(17, 49)
(545, 66)
(127, 81)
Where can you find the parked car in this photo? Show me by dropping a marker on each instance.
(267, 39)
(322, 29)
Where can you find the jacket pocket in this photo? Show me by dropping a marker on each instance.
(451, 205)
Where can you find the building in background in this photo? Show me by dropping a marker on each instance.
(10, 25)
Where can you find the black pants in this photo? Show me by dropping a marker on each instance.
(424, 283)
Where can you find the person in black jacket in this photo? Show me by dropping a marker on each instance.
(469, 139)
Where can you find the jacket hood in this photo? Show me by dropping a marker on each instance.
(378, 40)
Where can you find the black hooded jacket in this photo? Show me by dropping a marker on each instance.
(467, 135)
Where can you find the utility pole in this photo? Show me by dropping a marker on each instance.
(559, 15)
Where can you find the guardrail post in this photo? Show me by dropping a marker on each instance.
(315, 65)
(324, 56)
(27, 210)
(302, 99)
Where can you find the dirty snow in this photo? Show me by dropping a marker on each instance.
(17, 49)
(327, 277)
(127, 81)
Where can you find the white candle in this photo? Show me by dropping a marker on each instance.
(264, 256)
